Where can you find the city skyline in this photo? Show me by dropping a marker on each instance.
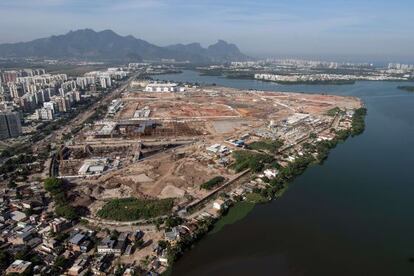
(341, 30)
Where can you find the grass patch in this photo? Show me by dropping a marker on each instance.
(334, 111)
(239, 211)
(255, 198)
(271, 146)
(212, 183)
(250, 160)
(129, 209)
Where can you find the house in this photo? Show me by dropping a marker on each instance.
(102, 264)
(108, 246)
(128, 250)
(18, 267)
(17, 216)
(34, 242)
(163, 87)
(22, 238)
(79, 265)
(172, 235)
(137, 235)
(129, 272)
(76, 241)
(237, 143)
(59, 224)
(219, 204)
(85, 246)
(217, 149)
(49, 245)
(271, 173)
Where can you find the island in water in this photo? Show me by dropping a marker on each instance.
(406, 88)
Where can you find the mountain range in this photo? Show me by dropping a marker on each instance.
(108, 45)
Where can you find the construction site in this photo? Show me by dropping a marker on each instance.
(166, 145)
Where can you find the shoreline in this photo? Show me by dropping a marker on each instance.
(231, 216)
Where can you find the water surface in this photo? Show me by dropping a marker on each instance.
(353, 215)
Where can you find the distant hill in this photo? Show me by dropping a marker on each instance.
(107, 45)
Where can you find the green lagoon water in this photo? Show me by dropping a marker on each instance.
(353, 215)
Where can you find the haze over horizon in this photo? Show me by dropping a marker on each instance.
(337, 29)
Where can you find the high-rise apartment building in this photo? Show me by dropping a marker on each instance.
(10, 125)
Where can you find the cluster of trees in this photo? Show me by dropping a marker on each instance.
(250, 160)
(173, 221)
(294, 168)
(271, 146)
(285, 176)
(16, 162)
(187, 241)
(56, 188)
(300, 164)
(406, 88)
(15, 150)
(358, 121)
(128, 209)
(99, 113)
(25, 253)
(5, 259)
(212, 183)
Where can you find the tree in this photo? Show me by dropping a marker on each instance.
(67, 212)
(53, 185)
(23, 254)
(11, 184)
(60, 262)
(173, 221)
(5, 259)
(114, 234)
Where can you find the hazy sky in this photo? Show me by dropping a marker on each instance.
(351, 29)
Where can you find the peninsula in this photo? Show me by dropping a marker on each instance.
(130, 172)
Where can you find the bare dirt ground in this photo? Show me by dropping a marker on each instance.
(207, 116)
(160, 177)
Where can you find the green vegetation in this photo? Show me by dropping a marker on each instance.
(257, 162)
(17, 162)
(271, 146)
(66, 211)
(56, 188)
(294, 169)
(98, 114)
(250, 160)
(15, 150)
(128, 209)
(173, 221)
(212, 183)
(53, 185)
(334, 111)
(186, 242)
(256, 198)
(211, 72)
(240, 75)
(235, 213)
(358, 121)
(5, 259)
(406, 88)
